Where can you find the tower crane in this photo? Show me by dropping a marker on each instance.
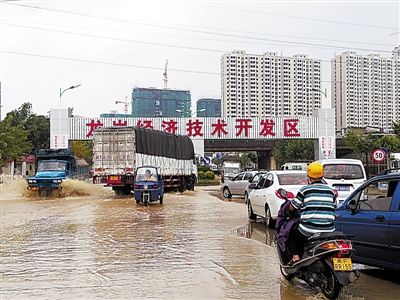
(165, 74)
(125, 103)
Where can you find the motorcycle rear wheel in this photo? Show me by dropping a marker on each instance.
(330, 287)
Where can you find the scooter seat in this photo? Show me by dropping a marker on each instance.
(326, 236)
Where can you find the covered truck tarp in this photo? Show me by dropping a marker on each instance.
(158, 143)
(117, 149)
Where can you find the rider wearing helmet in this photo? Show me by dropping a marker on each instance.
(316, 203)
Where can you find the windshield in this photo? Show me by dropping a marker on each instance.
(257, 177)
(293, 179)
(343, 171)
(231, 170)
(146, 174)
(51, 166)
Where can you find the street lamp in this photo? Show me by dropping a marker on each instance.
(70, 88)
(318, 90)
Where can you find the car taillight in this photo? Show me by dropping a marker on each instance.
(289, 195)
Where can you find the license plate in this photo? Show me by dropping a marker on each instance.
(114, 178)
(342, 264)
(343, 188)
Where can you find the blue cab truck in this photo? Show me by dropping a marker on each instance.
(52, 167)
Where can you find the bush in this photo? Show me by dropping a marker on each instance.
(206, 182)
(202, 175)
(203, 168)
(209, 175)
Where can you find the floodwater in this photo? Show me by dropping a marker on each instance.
(89, 244)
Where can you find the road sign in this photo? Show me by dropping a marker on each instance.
(207, 160)
(378, 155)
(327, 147)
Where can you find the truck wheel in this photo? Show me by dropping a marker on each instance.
(126, 191)
(182, 186)
(227, 193)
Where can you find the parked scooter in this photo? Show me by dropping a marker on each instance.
(326, 262)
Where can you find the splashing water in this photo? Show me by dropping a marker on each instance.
(17, 188)
(73, 187)
(14, 189)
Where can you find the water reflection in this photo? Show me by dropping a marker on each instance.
(373, 284)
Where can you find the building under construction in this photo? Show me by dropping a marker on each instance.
(153, 102)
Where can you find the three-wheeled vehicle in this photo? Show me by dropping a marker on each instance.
(148, 185)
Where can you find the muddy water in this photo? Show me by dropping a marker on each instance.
(373, 284)
(98, 246)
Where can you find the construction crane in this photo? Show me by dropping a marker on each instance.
(125, 103)
(165, 74)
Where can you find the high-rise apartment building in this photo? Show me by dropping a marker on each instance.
(269, 85)
(365, 90)
(208, 107)
(152, 102)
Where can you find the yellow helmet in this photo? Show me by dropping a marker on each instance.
(315, 170)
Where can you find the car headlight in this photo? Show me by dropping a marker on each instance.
(29, 181)
(57, 181)
(33, 181)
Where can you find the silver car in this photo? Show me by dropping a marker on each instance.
(238, 184)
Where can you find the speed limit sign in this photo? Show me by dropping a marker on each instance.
(378, 155)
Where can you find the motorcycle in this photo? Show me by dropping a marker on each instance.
(326, 261)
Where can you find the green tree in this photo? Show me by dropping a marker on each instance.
(13, 141)
(396, 128)
(244, 160)
(217, 161)
(360, 142)
(38, 126)
(292, 151)
(39, 131)
(390, 142)
(83, 149)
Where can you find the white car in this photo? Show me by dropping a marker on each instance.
(344, 175)
(264, 201)
(238, 184)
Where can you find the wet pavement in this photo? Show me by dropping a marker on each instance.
(95, 245)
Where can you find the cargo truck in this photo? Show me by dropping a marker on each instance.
(52, 167)
(118, 151)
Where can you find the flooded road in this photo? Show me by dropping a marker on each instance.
(96, 245)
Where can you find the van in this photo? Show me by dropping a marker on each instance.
(344, 175)
(294, 166)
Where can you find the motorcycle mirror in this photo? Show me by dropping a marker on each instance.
(282, 192)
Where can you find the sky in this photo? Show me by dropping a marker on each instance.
(112, 46)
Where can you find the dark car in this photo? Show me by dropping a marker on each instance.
(371, 215)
